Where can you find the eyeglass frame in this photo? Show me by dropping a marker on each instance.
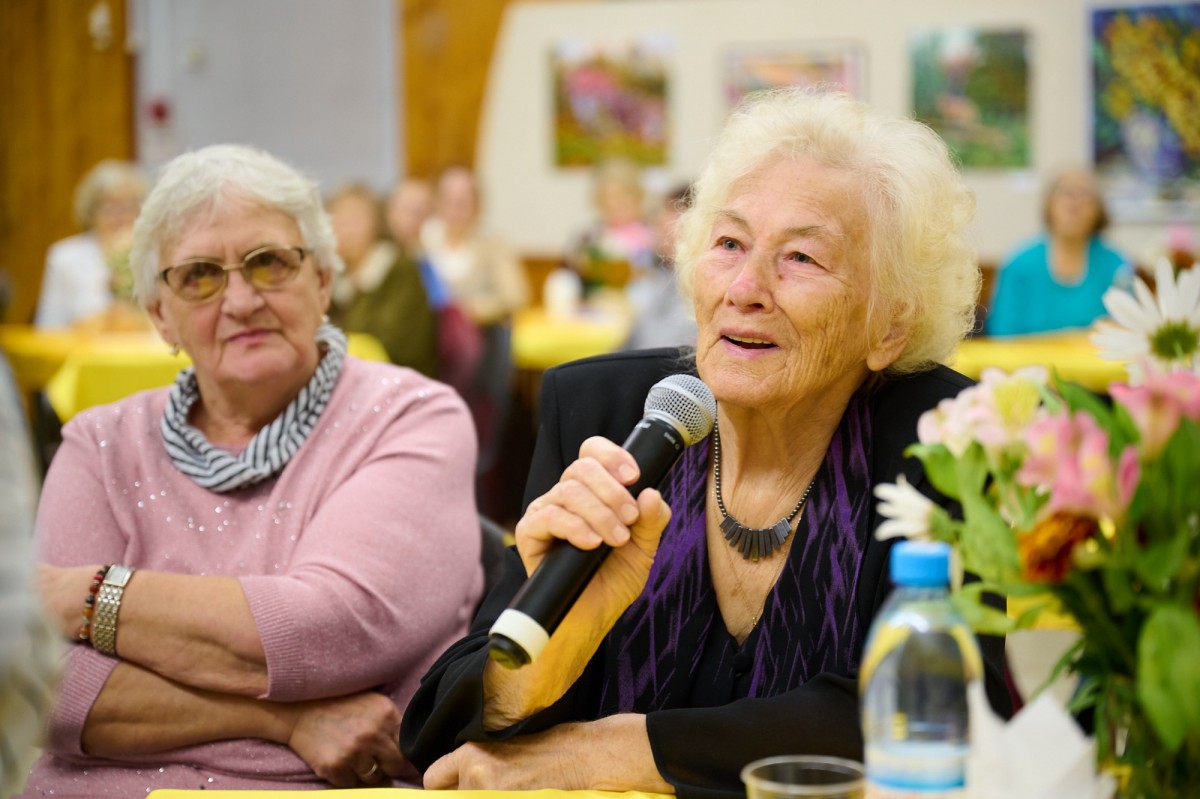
(304, 252)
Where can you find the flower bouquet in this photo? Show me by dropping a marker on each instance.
(1090, 506)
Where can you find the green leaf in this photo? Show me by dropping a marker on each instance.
(989, 547)
(1120, 592)
(1159, 562)
(1180, 463)
(939, 467)
(972, 469)
(1168, 681)
(983, 618)
(942, 527)
(1079, 399)
(1066, 662)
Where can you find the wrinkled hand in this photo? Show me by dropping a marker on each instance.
(341, 739)
(63, 591)
(609, 754)
(591, 505)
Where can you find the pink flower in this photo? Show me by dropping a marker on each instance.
(994, 413)
(1158, 404)
(1068, 458)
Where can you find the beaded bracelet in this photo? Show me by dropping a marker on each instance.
(89, 605)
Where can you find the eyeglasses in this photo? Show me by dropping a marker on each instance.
(267, 269)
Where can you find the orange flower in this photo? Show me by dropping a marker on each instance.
(1045, 551)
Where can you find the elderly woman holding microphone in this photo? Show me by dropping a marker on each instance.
(257, 564)
(825, 258)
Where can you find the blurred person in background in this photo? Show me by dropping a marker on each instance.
(460, 342)
(87, 277)
(380, 292)
(662, 317)
(481, 271)
(254, 566)
(408, 206)
(618, 246)
(28, 647)
(1058, 280)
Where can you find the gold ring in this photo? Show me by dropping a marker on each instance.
(370, 773)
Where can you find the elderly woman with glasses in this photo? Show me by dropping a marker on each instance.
(255, 566)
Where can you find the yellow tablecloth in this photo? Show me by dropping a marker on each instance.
(407, 793)
(541, 340)
(1070, 354)
(79, 371)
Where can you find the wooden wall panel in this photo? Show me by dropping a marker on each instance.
(67, 102)
(447, 49)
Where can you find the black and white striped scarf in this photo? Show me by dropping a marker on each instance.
(271, 448)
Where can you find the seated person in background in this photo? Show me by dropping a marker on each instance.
(27, 644)
(459, 342)
(295, 529)
(87, 277)
(619, 245)
(381, 291)
(661, 315)
(482, 273)
(1058, 280)
(408, 206)
(825, 257)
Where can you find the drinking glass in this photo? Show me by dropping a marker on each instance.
(803, 777)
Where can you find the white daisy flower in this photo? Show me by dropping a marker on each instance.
(908, 512)
(1163, 331)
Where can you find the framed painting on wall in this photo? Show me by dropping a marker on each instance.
(610, 100)
(752, 68)
(1145, 109)
(972, 87)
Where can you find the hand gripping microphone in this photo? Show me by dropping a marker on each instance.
(679, 412)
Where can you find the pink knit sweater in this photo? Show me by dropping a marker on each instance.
(360, 561)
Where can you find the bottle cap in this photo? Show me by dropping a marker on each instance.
(921, 563)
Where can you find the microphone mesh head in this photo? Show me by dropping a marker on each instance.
(685, 402)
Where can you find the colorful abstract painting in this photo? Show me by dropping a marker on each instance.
(972, 87)
(833, 65)
(610, 101)
(1145, 65)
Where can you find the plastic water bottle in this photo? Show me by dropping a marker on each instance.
(920, 657)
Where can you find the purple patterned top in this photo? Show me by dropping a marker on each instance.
(671, 648)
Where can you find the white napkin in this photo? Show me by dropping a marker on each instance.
(1040, 754)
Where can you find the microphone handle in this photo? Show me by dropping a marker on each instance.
(555, 585)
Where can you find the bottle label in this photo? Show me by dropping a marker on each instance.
(916, 770)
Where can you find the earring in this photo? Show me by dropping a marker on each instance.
(173, 349)
(324, 318)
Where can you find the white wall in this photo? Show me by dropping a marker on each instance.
(539, 207)
(311, 81)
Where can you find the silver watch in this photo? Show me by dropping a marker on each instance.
(108, 604)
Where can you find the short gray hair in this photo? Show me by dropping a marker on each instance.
(199, 180)
(105, 177)
(924, 274)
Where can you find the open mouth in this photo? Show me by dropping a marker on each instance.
(749, 343)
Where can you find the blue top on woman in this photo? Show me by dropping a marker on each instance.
(1030, 299)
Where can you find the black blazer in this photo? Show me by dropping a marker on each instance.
(699, 751)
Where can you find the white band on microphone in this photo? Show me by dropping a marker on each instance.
(523, 631)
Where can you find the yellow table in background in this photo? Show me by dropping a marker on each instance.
(406, 793)
(1071, 355)
(78, 371)
(541, 340)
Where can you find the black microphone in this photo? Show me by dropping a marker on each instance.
(679, 411)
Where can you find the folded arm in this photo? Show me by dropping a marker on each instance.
(139, 712)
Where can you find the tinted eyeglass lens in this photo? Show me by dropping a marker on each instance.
(270, 268)
(196, 280)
